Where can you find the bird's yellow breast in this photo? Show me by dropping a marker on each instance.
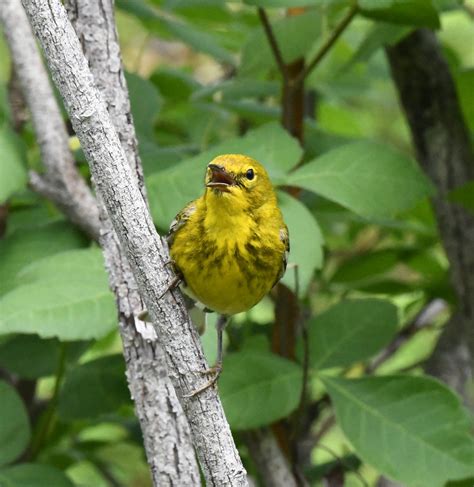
(229, 258)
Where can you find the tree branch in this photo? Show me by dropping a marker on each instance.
(269, 460)
(273, 42)
(164, 427)
(146, 252)
(440, 136)
(166, 433)
(324, 49)
(61, 179)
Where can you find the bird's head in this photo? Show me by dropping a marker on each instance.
(239, 178)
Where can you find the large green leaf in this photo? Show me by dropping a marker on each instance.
(258, 388)
(170, 190)
(306, 241)
(14, 424)
(94, 388)
(377, 37)
(33, 475)
(64, 296)
(464, 83)
(288, 3)
(295, 35)
(350, 331)
(239, 88)
(412, 429)
(145, 103)
(201, 40)
(43, 356)
(370, 179)
(420, 13)
(367, 266)
(29, 244)
(464, 195)
(12, 168)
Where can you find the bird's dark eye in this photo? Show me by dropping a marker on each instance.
(249, 174)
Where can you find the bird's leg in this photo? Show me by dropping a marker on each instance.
(173, 284)
(216, 369)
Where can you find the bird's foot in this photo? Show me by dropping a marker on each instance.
(174, 283)
(214, 371)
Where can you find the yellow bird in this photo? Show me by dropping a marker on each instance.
(230, 246)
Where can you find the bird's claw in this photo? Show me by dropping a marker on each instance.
(215, 371)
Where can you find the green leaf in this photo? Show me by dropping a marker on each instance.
(174, 84)
(43, 356)
(351, 331)
(258, 388)
(201, 40)
(286, 3)
(170, 190)
(12, 168)
(295, 35)
(27, 245)
(366, 266)
(420, 13)
(464, 83)
(239, 88)
(64, 296)
(412, 429)
(464, 195)
(14, 424)
(378, 36)
(94, 388)
(33, 475)
(370, 179)
(145, 102)
(306, 241)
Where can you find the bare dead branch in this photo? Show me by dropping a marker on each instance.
(146, 252)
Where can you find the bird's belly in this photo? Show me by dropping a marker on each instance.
(226, 285)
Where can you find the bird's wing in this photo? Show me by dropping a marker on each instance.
(285, 239)
(179, 221)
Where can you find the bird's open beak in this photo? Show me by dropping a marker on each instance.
(220, 178)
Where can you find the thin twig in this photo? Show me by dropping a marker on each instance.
(343, 463)
(421, 321)
(46, 421)
(273, 43)
(328, 423)
(324, 49)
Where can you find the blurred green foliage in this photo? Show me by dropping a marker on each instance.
(203, 81)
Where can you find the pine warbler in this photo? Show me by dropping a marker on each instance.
(230, 246)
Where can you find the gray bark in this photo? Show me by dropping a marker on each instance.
(165, 430)
(166, 433)
(62, 182)
(146, 251)
(440, 136)
(269, 459)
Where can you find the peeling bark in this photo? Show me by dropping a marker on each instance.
(441, 139)
(146, 252)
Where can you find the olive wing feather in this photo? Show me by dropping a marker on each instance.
(179, 221)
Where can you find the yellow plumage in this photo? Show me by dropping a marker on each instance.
(231, 244)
